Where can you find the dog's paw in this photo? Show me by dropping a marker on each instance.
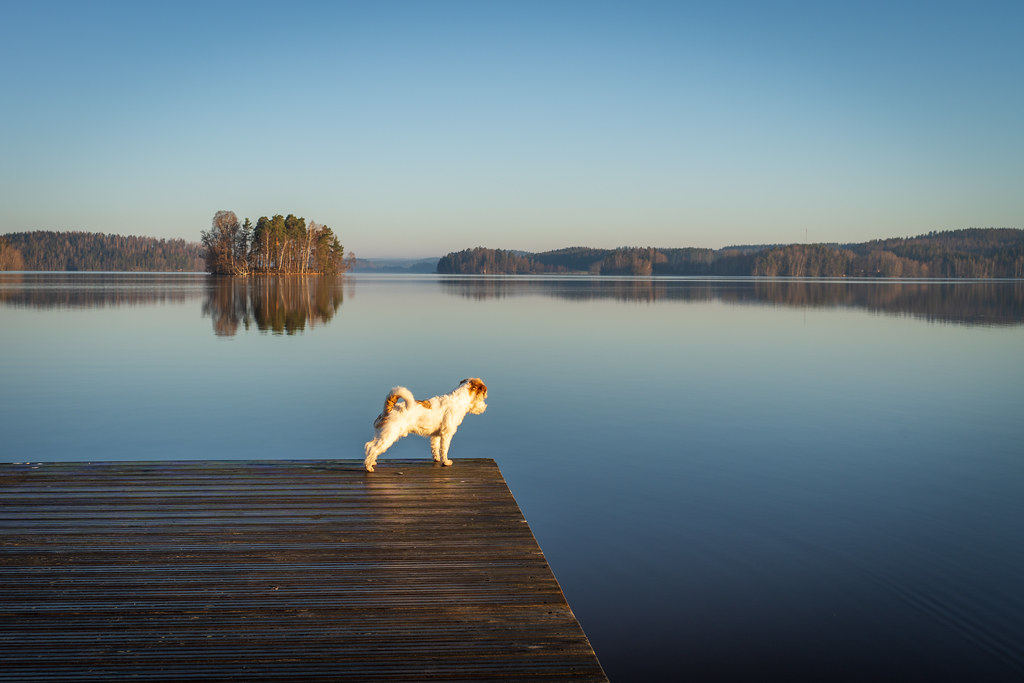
(446, 463)
(369, 468)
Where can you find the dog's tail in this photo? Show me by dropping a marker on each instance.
(390, 403)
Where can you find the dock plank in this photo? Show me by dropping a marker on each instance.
(276, 570)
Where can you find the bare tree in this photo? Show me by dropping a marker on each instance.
(227, 245)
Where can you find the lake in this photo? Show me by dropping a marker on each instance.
(732, 479)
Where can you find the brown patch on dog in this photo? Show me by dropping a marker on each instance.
(389, 405)
(476, 386)
(425, 404)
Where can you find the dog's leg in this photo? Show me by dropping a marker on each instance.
(446, 441)
(380, 443)
(435, 447)
(371, 455)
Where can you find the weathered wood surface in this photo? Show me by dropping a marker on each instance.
(271, 570)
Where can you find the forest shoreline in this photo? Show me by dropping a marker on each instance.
(975, 253)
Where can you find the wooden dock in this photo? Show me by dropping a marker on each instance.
(276, 570)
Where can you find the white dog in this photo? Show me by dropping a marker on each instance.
(436, 418)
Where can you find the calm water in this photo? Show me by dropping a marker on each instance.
(732, 479)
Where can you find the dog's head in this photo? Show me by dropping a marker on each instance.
(477, 393)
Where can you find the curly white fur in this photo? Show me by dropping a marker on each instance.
(436, 418)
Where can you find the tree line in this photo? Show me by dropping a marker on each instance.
(969, 253)
(96, 251)
(621, 261)
(276, 245)
(973, 253)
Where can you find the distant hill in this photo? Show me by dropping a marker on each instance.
(395, 265)
(46, 250)
(969, 253)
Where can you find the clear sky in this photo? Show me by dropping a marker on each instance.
(419, 128)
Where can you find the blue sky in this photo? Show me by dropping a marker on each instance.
(419, 128)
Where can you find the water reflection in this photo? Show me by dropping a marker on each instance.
(97, 290)
(281, 305)
(969, 302)
(286, 304)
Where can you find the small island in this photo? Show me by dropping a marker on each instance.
(282, 245)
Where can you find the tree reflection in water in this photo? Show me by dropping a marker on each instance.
(287, 303)
(967, 302)
(82, 290)
(279, 304)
